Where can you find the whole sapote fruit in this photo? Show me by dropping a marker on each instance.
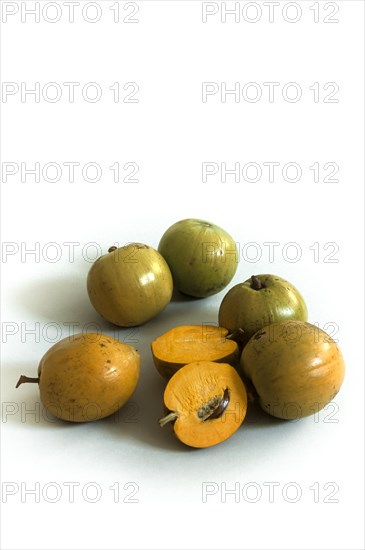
(202, 256)
(86, 377)
(130, 285)
(296, 369)
(260, 301)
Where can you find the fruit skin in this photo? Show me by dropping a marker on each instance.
(250, 310)
(87, 377)
(130, 285)
(193, 386)
(295, 368)
(187, 343)
(203, 257)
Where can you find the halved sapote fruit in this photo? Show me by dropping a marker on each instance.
(207, 403)
(189, 343)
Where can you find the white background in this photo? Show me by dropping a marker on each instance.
(169, 133)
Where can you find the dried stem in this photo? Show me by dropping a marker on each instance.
(171, 417)
(256, 284)
(24, 379)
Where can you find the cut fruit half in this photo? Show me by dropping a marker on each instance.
(189, 343)
(206, 403)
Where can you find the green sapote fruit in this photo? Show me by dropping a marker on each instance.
(130, 285)
(296, 369)
(260, 301)
(203, 257)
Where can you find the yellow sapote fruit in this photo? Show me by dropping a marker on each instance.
(189, 343)
(86, 377)
(295, 368)
(207, 403)
(130, 285)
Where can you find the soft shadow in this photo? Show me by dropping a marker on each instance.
(182, 312)
(144, 428)
(178, 296)
(138, 419)
(60, 299)
(256, 417)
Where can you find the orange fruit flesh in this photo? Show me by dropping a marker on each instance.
(190, 343)
(195, 394)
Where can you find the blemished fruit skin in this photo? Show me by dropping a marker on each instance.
(244, 307)
(295, 368)
(87, 377)
(130, 285)
(202, 256)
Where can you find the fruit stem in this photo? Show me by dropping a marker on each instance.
(237, 335)
(112, 248)
(169, 418)
(24, 379)
(256, 284)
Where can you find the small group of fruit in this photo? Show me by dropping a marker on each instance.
(90, 376)
(291, 367)
(130, 285)
(262, 341)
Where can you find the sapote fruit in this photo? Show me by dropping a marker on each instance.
(295, 368)
(259, 301)
(190, 343)
(206, 403)
(130, 285)
(86, 377)
(202, 256)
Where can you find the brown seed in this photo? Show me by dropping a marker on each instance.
(207, 403)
